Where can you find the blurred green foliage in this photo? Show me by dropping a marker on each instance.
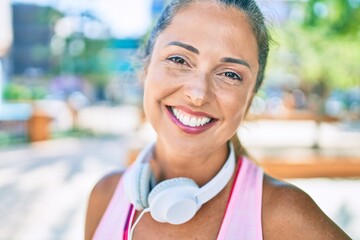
(91, 61)
(336, 17)
(15, 91)
(324, 46)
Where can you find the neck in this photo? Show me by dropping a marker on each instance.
(171, 163)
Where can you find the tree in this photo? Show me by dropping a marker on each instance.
(324, 46)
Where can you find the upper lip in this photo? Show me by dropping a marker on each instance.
(192, 112)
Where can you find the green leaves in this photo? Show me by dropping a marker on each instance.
(325, 46)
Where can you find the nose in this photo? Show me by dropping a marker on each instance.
(197, 90)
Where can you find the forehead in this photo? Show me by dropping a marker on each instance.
(212, 27)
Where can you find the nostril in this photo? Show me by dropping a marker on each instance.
(197, 96)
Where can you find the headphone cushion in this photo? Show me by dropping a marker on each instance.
(174, 200)
(137, 185)
(144, 184)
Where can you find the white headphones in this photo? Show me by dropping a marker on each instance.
(174, 200)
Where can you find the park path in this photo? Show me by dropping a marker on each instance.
(44, 186)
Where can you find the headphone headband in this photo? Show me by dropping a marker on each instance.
(215, 185)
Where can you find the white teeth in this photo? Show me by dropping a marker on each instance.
(203, 121)
(190, 121)
(176, 112)
(193, 122)
(186, 121)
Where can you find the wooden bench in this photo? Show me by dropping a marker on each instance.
(310, 163)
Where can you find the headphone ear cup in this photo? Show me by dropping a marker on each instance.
(137, 185)
(174, 201)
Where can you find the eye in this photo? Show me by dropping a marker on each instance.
(177, 60)
(232, 75)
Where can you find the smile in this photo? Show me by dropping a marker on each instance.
(189, 120)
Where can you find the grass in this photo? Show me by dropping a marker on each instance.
(8, 140)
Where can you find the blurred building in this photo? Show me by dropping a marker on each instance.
(32, 36)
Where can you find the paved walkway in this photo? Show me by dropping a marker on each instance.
(44, 187)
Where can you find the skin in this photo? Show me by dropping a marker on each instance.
(186, 70)
(199, 83)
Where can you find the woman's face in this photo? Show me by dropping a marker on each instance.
(200, 78)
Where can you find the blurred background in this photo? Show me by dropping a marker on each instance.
(70, 106)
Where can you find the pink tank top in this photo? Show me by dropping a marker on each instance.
(242, 219)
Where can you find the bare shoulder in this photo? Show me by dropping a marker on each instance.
(290, 213)
(99, 199)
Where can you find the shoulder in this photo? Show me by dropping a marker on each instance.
(99, 199)
(290, 213)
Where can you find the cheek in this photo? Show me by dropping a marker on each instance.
(236, 105)
(156, 88)
(150, 92)
(152, 84)
(161, 83)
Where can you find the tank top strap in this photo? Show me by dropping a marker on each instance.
(243, 214)
(111, 226)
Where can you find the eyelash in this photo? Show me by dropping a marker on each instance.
(182, 61)
(176, 59)
(235, 76)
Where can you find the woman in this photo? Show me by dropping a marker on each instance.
(205, 60)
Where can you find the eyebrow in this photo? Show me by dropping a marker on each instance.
(184, 45)
(236, 60)
(196, 51)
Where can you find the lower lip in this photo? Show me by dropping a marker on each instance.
(188, 129)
